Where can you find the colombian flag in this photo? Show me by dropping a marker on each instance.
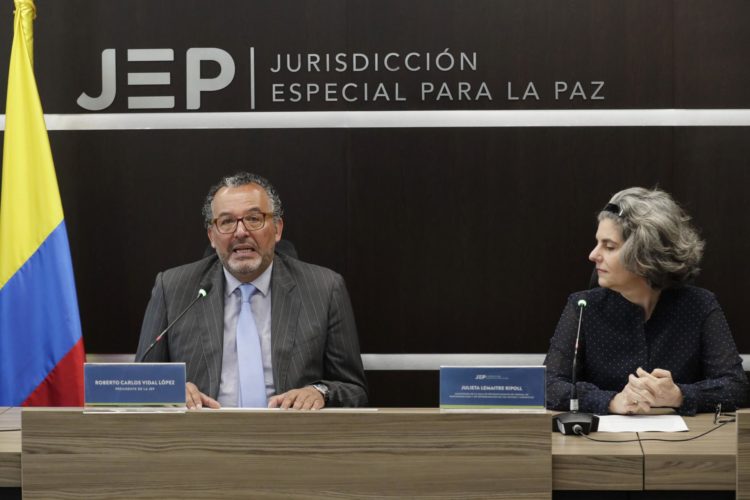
(41, 348)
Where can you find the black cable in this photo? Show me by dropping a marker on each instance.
(722, 424)
(608, 440)
(10, 430)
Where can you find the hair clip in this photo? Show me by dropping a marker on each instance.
(613, 209)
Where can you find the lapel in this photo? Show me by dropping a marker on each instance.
(285, 309)
(212, 333)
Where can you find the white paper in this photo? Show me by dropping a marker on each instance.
(642, 423)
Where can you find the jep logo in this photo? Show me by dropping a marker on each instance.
(195, 82)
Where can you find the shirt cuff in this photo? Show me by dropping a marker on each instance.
(597, 401)
(689, 405)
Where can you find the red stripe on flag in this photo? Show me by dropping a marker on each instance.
(63, 386)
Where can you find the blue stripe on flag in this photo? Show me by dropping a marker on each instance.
(39, 321)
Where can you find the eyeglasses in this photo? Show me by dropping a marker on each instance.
(723, 418)
(253, 221)
(613, 209)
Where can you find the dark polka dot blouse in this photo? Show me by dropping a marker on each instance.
(687, 334)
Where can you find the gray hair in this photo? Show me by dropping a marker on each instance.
(242, 179)
(660, 243)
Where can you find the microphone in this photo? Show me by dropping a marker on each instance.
(201, 293)
(573, 422)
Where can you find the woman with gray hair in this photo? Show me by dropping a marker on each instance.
(648, 338)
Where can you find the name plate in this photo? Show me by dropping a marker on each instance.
(492, 387)
(134, 384)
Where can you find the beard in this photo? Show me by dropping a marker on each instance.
(245, 269)
(246, 266)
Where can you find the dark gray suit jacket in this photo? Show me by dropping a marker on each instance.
(313, 335)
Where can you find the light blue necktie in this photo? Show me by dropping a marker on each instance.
(252, 393)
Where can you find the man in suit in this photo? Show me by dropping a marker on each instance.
(303, 348)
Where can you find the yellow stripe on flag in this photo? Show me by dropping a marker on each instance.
(30, 207)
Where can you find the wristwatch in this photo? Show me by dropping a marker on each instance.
(323, 389)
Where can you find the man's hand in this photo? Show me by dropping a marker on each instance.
(196, 399)
(306, 398)
(663, 389)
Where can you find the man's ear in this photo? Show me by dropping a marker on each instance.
(279, 228)
(210, 234)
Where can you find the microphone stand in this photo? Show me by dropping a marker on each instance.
(201, 293)
(573, 422)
